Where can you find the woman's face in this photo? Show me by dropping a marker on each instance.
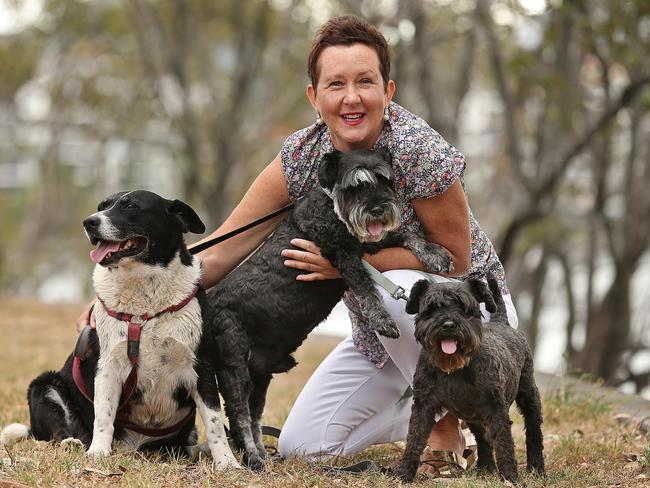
(350, 95)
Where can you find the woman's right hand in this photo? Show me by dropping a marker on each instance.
(86, 317)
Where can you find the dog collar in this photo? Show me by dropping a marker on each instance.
(136, 322)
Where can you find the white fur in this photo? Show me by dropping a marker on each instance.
(54, 396)
(222, 456)
(166, 358)
(359, 176)
(13, 433)
(107, 230)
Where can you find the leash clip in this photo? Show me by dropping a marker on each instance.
(399, 294)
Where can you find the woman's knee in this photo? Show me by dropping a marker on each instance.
(298, 442)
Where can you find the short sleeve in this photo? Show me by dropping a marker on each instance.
(300, 156)
(428, 165)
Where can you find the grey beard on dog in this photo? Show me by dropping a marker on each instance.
(262, 313)
(473, 370)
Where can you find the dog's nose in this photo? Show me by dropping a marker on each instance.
(448, 324)
(92, 222)
(377, 211)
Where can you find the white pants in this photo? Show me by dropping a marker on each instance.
(348, 403)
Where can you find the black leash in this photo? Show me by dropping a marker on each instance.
(364, 466)
(205, 245)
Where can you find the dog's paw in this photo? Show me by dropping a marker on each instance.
(509, 482)
(436, 258)
(225, 462)
(486, 466)
(96, 452)
(387, 329)
(403, 473)
(254, 462)
(196, 451)
(261, 450)
(71, 441)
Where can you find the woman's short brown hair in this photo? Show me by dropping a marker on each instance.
(345, 31)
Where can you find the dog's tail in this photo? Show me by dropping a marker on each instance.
(13, 433)
(501, 315)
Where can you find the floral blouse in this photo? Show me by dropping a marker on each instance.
(424, 165)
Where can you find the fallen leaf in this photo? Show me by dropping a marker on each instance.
(11, 484)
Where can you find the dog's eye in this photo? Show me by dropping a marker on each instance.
(128, 204)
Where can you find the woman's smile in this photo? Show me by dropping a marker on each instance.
(354, 118)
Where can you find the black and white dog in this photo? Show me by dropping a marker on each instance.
(146, 283)
(262, 313)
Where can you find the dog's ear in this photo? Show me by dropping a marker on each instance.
(482, 293)
(413, 303)
(329, 169)
(385, 154)
(186, 214)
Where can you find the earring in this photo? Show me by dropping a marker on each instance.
(386, 116)
(319, 121)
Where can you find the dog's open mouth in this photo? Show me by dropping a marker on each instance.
(449, 346)
(376, 228)
(108, 252)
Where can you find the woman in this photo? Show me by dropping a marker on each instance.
(353, 399)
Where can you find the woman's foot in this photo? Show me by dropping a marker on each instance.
(446, 435)
(443, 455)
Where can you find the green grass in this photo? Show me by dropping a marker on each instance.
(584, 445)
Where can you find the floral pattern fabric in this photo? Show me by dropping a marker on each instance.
(424, 165)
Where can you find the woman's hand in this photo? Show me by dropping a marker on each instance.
(309, 258)
(86, 317)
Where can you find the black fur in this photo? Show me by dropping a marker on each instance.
(262, 313)
(492, 367)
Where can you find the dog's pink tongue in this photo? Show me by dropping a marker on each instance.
(99, 253)
(375, 228)
(448, 346)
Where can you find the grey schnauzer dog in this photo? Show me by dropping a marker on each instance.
(262, 313)
(473, 370)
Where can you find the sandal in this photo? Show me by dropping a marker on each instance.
(442, 464)
(450, 463)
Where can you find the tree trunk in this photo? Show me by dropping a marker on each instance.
(609, 329)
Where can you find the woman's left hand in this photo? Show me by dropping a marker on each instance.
(309, 258)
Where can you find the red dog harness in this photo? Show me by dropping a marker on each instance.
(135, 324)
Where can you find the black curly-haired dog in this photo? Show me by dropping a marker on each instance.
(262, 313)
(473, 370)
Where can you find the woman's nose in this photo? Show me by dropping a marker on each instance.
(351, 95)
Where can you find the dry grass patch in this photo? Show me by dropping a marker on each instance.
(584, 445)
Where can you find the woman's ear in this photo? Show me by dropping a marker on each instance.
(311, 95)
(390, 91)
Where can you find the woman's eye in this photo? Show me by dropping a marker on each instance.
(336, 83)
(366, 81)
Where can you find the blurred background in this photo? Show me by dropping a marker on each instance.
(548, 99)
